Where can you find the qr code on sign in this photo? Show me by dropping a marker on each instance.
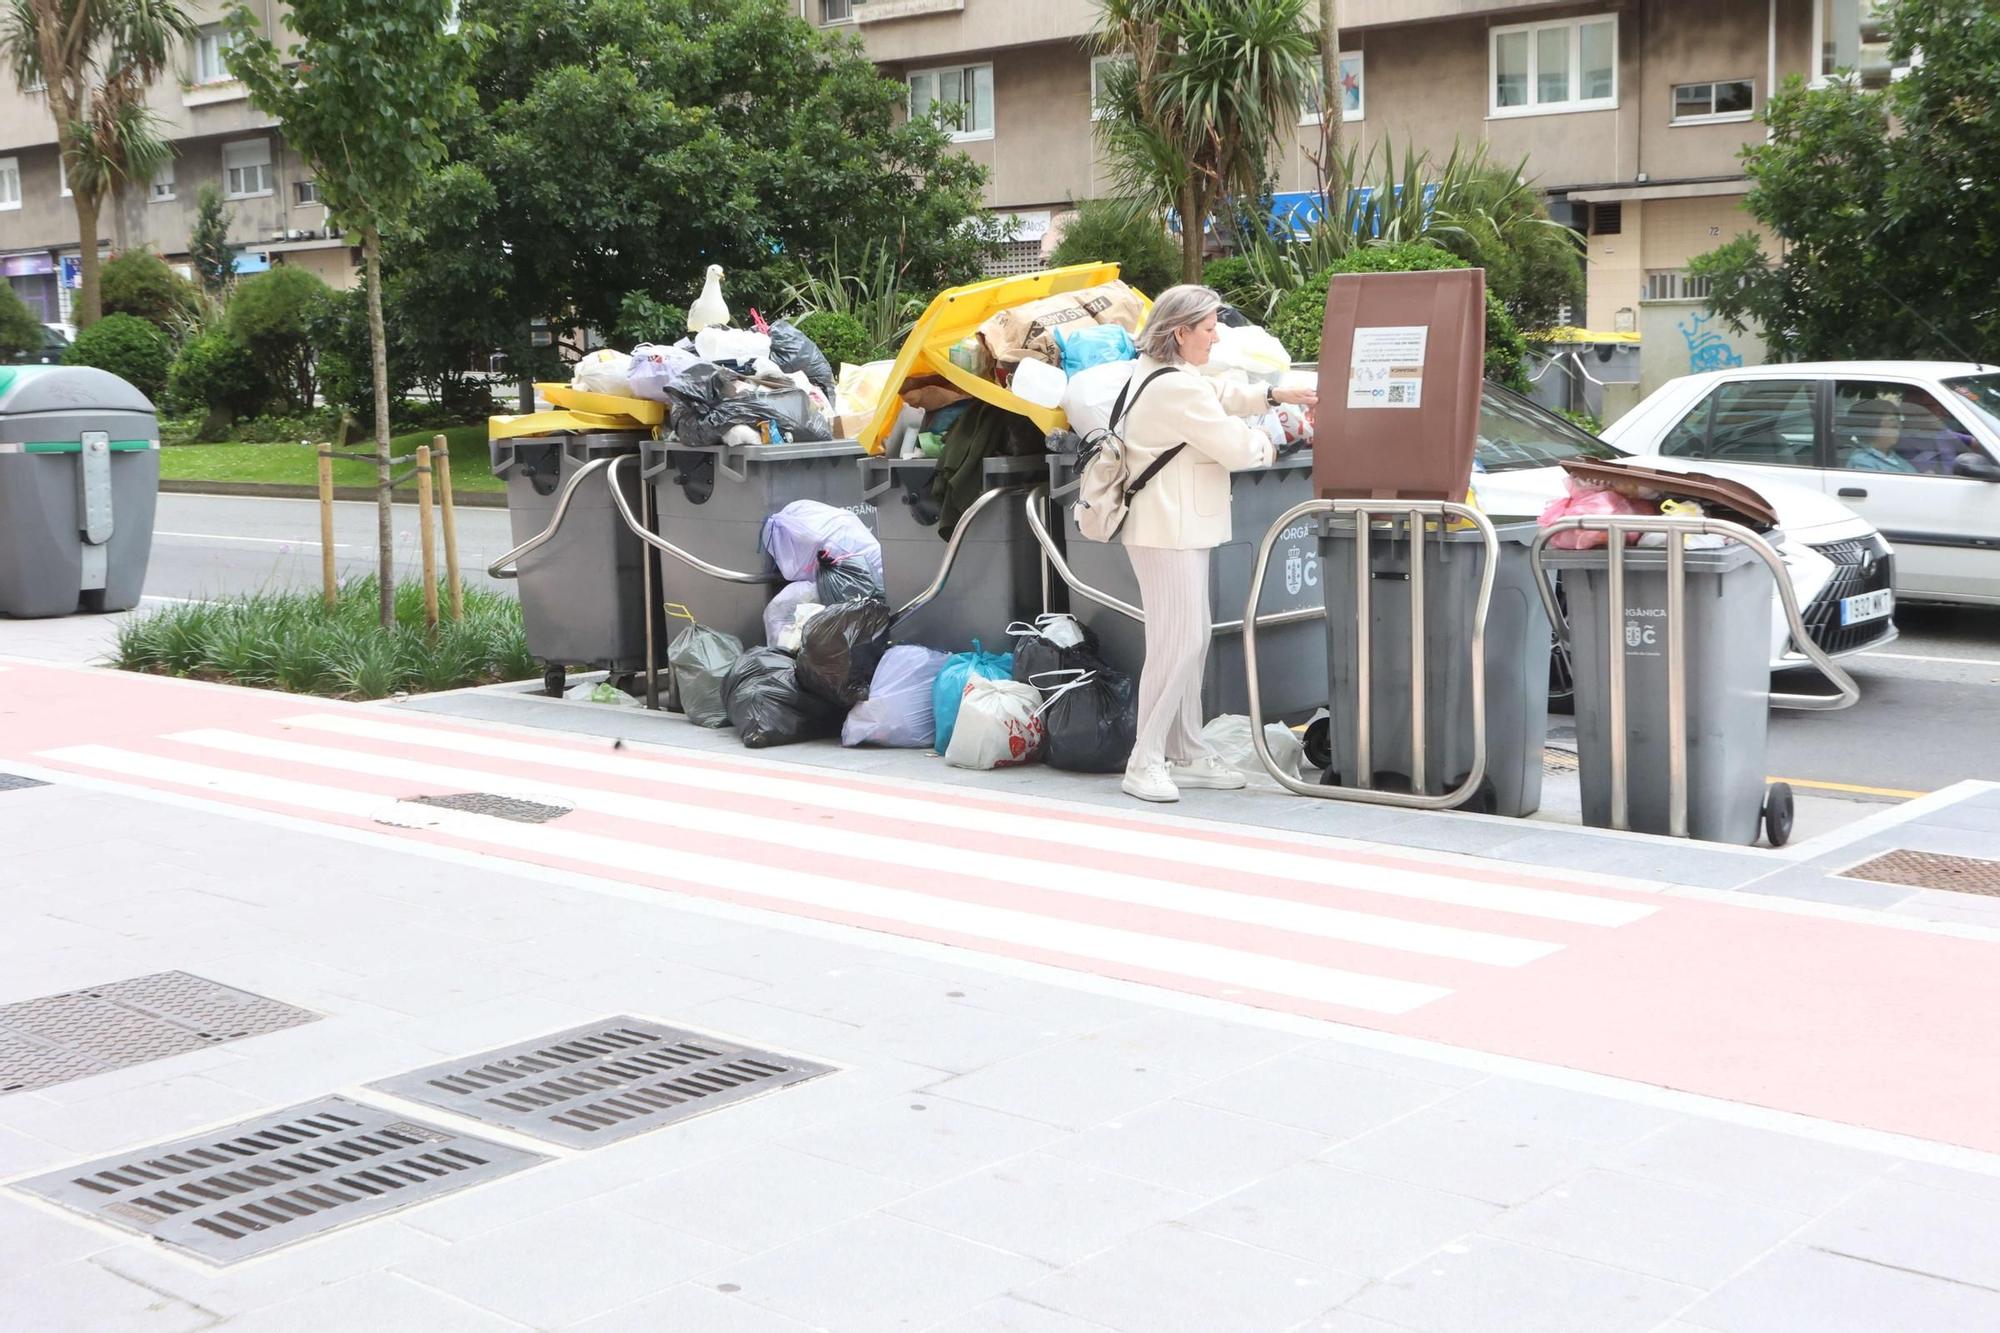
(1399, 393)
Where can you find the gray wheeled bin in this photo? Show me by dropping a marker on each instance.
(996, 578)
(1292, 656)
(582, 592)
(1726, 618)
(712, 500)
(79, 480)
(1516, 665)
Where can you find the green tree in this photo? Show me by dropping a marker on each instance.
(1883, 202)
(1195, 106)
(273, 315)
(20, 332)
(128, 347)
(362, 91)
(208, 244)
(139, 282)
(1116, 231)
(216, 376)
(96, 59)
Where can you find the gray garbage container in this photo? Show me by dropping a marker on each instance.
(1292, 657)
(1516, 665)
(996, 578)
(582, 592)
(1726, 617)
(79, 480)
(712, 500)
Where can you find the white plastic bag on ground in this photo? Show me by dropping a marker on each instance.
(1088, 398)
(605, 370)
(1228, 738)
(997, 725)
(897, 710)
(779, 611)
(719, 344)
(796, 534)
(1250, 350)
(793, 636)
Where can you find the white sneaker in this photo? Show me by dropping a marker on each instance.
(1150, 783)
(1207, 772)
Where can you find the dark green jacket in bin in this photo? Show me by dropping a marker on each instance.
(985, 431)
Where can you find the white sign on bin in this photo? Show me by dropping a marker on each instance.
(1387, 368)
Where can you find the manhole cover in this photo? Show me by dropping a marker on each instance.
(281, 1178)
(1931, 870)
(602, 1082)
(56, 1038)
(500, 807)
(15, 782)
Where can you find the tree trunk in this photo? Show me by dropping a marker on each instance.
(120, 228)
(1332, 102)
(1191, 233)
(378, 346)
(89, 302)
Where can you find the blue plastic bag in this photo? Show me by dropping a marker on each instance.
(950, 686)
(1097, 345)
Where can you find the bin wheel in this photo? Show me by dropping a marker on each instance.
(554, 678)
(1778, 814)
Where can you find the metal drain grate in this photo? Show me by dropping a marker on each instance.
(15, 782)
(1931, 870)
(602, 1082)
(281, 1178)
(56, 1038)
(500, 807)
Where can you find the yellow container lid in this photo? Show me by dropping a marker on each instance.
(642, 410)
(560, 422)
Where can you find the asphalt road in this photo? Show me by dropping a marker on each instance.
(1929, 713)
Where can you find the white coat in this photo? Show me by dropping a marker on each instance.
(1185, 507)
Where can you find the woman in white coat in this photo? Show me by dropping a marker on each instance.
(1174, 522)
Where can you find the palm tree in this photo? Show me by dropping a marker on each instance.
(1199, 99)
(96, 59)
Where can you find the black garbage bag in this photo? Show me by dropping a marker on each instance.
(701, 659)
(708, 399)
(767, 706)
(843, 578)
(1036, 654)
(841, 648)
(792, 351)
(1089, 719)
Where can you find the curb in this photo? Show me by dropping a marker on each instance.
(278, 491)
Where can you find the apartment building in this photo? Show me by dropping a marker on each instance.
(1631, 114)
(217, 136)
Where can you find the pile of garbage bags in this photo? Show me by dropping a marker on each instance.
(767, 385)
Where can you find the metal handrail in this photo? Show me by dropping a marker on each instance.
(1417, 514)
(1616, 528)
(957, 538)
(498, 569)
(1052, 558)
(661, 544)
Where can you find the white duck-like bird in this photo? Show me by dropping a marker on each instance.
(709, 308)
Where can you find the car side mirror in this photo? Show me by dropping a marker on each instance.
(1976, 467)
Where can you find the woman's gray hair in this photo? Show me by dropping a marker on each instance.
(1182, 307)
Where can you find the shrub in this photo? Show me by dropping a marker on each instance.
(273, 315)
(641, 319)
(344, 356)
(215, 376)
(1114, 231)
(128, 347)
(20, 332)
(317, 423)
(1237, 281)
(840, 338)
(139, 283)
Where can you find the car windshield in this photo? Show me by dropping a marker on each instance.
(1516, 434)
(1983, 393)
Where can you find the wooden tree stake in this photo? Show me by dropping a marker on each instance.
(426, 529)
(441, 460)
(330, 584)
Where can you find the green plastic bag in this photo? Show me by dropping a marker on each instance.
(700, 659)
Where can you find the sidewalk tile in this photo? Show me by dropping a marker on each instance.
(1803, 1290)
(1498, 1163)
(1577, 1115)
(1781, 1170)
(565, 1266)
(525, 1195)
(374, 1301)
(1045, 1207)
(1650, 1227)
(1073, 1084)
(954, 1036)
(1069, 1008)
(34, 1238)
(1491, 1286)
(1011, 1314)
(875, 1273)
(1346, 1321)
(162, 1110)
(1907, 1225)
(1175, 1280)
(79, 1297)
(1949, 1178)
(923, 1139)
(1356, 1223)
(1336, 1100)
(690, 1308)
(758, 1199)
(1188, 1147)
(862, 996)
(1342, 1051)
(304, 1268)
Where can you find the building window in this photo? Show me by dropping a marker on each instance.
(1676, 284)
(1852, 39)
(1712, 103)
(305, 192)
(10, 182)
(1351, 103)
(1607, 219)
(959, 100)
(1100, 82)
(212, 46)
(36, 84)
(163, 184)
(62, 175)
(1542, 68)
(246, 168)
(836, 11)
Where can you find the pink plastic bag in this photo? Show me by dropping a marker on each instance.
(1587, 502)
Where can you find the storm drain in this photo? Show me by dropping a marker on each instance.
(56, 1038)
(15, 782)
(602, 1082)
(1931, 870)
(499, 807)
(279, 1179)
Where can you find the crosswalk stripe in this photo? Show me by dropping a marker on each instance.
(1150, 842)
(1137, 890)
(1232, 968)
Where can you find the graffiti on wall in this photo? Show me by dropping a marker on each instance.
(1707, 349)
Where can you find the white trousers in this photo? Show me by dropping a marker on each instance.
(1173, 592)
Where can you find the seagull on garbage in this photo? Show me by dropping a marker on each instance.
(709, 308)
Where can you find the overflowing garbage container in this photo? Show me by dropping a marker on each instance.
(79, 482)
(994, 577)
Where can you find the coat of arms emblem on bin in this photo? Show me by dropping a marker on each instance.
(1635, 634)
(1295, 571)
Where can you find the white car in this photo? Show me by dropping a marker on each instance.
(1840, 565)
(1912, 446)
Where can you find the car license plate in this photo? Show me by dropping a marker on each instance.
(1863, 607)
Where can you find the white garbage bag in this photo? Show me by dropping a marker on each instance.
(1228, 738)
(897, 710)
(605, 370)
(780, 611)
(1088, 398)
(720, 344)
(997, 725)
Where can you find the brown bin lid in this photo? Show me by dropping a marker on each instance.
(1719, 496)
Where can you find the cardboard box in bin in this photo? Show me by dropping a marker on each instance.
(1400, 363)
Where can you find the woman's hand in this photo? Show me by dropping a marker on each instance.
(1302, 397)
